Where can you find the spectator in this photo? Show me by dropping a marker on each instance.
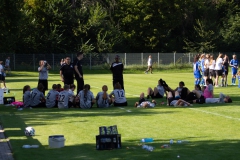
(117, 72)
(43, 74)
(149, 64)
(79, 71)
(86, 97)
(52, 97)
(7, 65)
(102, 98)
(37, 97)
(67, 71)
(2, 74)
(118, 96)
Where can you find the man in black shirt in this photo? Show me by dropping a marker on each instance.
(117, 72)
(78, 71)
(67, 71)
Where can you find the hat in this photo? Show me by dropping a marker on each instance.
(117, 56)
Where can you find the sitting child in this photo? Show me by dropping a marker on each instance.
(72, 99)
(142, 103)
(59, 88)
(26, 96)
(37, 97)
(52, 97)
(157, 92)
(102, 98)
(119, 98)
(176, 102)
(86, 97)
(63, 98)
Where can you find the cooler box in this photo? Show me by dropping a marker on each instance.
(56, 141)
(9, 100)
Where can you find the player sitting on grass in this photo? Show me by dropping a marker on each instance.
(158, 91)
(37, 97)
(118, 96)
(176, 102)
(102, 98)
(142, 103)
(26, 96)
(86, 97)
(72, 99)
(52, 97)
(63, 98)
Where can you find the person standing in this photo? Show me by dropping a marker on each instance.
(117, 72)
(149, 64)
(234, 64)
(7, 65)
(2, 74)
(43, 74)
(78, 71)
(226, 66)
(67, 71)
(218, 68)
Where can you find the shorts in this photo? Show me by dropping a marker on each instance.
(44, 83)
(212, 73)
(234, 71)
(2, 78)
(157, 95)
(218, 72)
(120, 104)
(170, 100)
(206, 73)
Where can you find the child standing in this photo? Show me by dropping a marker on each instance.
(52, 96)
(86, 97)
(102, 98)
(26, 96)
(234, 64)
(119, 98)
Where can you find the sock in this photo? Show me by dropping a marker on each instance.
(232, 81)
(222, 82)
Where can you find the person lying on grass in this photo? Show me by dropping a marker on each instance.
(142, 103)
(176, 102)
(222, 99)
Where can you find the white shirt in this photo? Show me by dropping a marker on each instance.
(212, 66)
(149, 61)
(206, 64)
(219, 63)
(119, 95)
(1, 68)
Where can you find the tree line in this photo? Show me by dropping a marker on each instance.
(111, 26)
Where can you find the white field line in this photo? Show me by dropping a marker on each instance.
(216, 114)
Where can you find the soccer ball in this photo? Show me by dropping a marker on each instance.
(29, 131)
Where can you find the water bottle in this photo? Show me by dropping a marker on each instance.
(147, 140)
(30, 146)
(171, 141)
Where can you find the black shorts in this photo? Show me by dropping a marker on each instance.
(218, 72)
(44, 83)
(206, 73)
(120, 104)
(68, 81)
(212, 73)
(2, 78)
(157, 95)
(170, 100)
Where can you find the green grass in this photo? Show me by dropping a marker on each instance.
(211, 129)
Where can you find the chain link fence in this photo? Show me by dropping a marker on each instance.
(30, 62)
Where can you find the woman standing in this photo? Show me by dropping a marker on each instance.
(218, 68)
(43, 74)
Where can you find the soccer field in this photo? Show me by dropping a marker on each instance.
(212, 130)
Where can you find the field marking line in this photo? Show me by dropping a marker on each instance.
(216, 114)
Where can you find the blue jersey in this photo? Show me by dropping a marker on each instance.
(202, 65)
(234, 63)
(196, 70)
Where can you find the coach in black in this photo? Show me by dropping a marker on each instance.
(117, 72)
(67, 71)
(79, 71)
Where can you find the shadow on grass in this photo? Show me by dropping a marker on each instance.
(197, 150)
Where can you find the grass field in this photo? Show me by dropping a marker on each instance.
(211, 129)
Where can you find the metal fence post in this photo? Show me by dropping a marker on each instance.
(125, 59)
(34, 62)
(158, 59)
(142, 58)
(53, 61)
(189, 58)
(14, 61)
(90, 61)
(174, 58)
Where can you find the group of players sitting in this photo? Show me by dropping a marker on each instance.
(182, 96)
(65, 98)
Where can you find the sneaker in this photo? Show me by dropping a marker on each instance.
(234, 84)
(216, 86)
